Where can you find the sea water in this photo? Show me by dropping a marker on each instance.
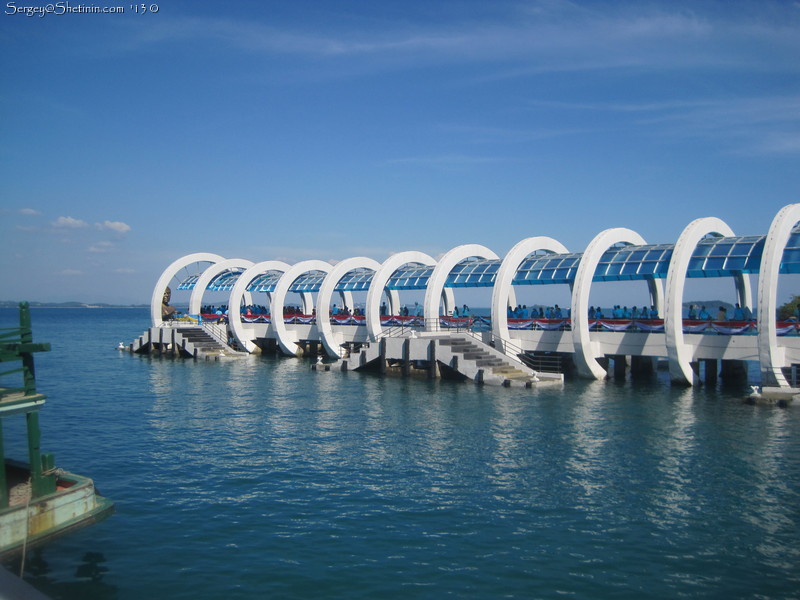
(260, 478)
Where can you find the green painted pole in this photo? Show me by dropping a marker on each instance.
(26, 337)
(34, 441)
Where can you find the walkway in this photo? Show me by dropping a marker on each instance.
(707, 248)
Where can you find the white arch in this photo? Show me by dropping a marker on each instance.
(287, 338)
(770, 355)
(584, 348)
(239, 291)
(433, 292)
(330, 340)
(196, 299)
(505, 275)
(379, 281)
(168, 274)
(680, 368)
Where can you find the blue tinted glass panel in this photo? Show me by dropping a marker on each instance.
(735, 263)
(630, 268)
(702, 250)
(714, 263)
(721, 249)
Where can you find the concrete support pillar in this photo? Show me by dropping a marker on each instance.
(711, 370)
(432, 367)
(382, 357)
(406, 368)
(620, 366)
(602, 362)
(733, 370)
(642, 365)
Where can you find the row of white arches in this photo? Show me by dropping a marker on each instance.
(667, 301)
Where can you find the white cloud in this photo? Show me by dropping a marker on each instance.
(101, 247)
(125, 270)
(69, 223)
(746, 125)
(71, 272)
(450, 160)
(29, 211)
(117, 226)
(541, 36)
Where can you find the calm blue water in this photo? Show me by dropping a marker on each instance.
(262, 479)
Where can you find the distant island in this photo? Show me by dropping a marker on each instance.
(15, 304)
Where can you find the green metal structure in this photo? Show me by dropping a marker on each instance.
(17, 346)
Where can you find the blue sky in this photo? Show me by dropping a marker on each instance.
(310, 129)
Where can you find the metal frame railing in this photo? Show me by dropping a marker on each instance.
(218, 331)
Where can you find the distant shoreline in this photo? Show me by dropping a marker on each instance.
(5, 304)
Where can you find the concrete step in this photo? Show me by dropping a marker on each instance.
(488, 362)
(517, 376)
(476, 355)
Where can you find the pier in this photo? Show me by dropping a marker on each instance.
(695, 350)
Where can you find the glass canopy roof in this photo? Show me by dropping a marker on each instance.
(265, 282)
(308, 282)
(713, 257)
(356, 281)
(410, 277)
(225, 281)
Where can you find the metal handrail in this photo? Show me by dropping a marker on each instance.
(218, 332)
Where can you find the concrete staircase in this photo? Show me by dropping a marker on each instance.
(198, 341)
(485, 364)
(462, 353)
(191, 342)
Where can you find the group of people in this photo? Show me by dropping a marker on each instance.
(541, 312)
(254, 309)
(623, 312)
(222, 309)
(335, 311)
(739, 313)
(418, 311)
(520, 312)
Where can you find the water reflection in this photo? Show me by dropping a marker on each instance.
(430, 478)
(772, 489)
(505, 463)
(588, 438)
(672, 442)
(88, 576)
